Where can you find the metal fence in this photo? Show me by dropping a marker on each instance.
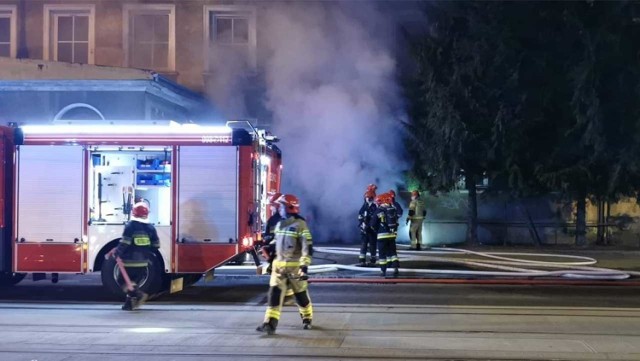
(529, 233)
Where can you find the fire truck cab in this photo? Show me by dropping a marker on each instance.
(67, 191)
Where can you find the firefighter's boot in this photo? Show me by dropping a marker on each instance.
(128, 304)
(134, 300)
(141, 297)
(384, 271)
(306, 323)
(268, 327)
(372, 262)
(396, 272)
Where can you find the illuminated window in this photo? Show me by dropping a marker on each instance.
(69, 33)
(150, 36)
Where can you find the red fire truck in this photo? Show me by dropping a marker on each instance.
(67, 191)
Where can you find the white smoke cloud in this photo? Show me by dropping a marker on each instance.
(228, 81)
(331, 87)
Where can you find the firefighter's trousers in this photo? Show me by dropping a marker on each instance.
(415, 232)
(368, 241)
(289, 292)
(282, 280)
(388, 256)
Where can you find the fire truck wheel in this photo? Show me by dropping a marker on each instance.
(10, 279)
(149, 279)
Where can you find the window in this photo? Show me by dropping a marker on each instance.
(8, 31)
(230, 34)
(149, 36)
(69, 33)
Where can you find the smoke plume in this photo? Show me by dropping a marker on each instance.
(331, 88)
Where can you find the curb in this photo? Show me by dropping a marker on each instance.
(513, 282)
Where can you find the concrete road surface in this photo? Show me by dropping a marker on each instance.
(159, 332)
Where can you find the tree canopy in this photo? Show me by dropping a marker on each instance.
(539, 96)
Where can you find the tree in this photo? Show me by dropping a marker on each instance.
(460, 97)
(589, 103)
(543, 95)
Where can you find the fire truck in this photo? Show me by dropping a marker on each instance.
(67, 191)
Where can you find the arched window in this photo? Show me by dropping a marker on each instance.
(78, 111)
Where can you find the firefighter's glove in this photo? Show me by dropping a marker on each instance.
(303, 273)
(265, 252)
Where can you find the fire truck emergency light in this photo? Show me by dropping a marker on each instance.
(247, 242)
(125, 129)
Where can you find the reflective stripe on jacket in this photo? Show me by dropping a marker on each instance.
(293, 242)
(417, 210)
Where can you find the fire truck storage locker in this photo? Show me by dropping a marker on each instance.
(207, 205)
(49, 208)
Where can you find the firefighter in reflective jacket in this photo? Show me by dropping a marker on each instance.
(137, 239)
(417, 212)
(294, 248)
(396, 205)
(273, 220)
(367, 235)
(269, 249)
(385, 223)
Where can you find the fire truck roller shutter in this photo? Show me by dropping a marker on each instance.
(50, 208)
(208, 194)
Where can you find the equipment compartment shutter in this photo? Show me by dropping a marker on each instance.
(50, 193)
(207, 194)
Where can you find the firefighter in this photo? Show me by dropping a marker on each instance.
(417, 212)
(274, 219)
(385, 223)
(367, 235)
(138, 236)
(268, 250)
(294, 249)
(397, 206)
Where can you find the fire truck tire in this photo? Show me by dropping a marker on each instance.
(150, 280)
(10, 278)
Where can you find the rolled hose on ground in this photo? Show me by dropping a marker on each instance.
(577, 269)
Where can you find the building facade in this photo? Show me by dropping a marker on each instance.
(38, 91)
(180, 39)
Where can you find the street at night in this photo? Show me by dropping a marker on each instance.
(186, 180)
(76, 319)
(394, 322)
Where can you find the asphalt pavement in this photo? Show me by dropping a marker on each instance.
(76, 319)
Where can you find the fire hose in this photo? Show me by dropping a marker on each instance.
(493, 264)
